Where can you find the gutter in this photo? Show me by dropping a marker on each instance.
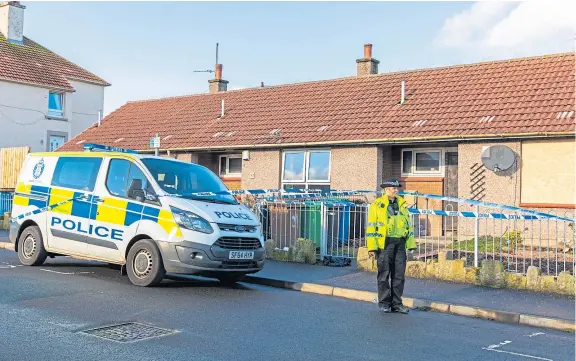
(479, 137)
(38, 85)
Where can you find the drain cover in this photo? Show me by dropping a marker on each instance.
(129, 332)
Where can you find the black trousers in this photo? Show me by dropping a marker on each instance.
(391, 269)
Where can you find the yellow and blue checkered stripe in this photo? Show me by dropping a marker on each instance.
(79, 204)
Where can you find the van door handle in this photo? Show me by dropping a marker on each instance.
(98, 199)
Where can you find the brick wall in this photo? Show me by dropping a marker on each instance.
(233, 184)
(387, 162)
(396, 159)
(187, 157)
(209, 160)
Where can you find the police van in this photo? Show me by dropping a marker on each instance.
(151, 214)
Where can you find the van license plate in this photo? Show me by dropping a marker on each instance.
(241, 255)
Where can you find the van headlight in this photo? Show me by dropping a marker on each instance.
(191, 221)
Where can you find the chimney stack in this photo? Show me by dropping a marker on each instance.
(218, 85)
(367, 65)
(12, 21)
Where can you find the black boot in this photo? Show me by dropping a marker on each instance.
(385, 309)
(400, 309)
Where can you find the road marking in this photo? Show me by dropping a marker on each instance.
(536, 334)
(517, 354)
(62, 273)
(10, 266)
(491, 347)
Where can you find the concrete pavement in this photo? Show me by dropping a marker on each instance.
(539, 304)
(48, 307)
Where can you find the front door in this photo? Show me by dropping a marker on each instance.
(55, 142)
(451, 190)
(68, 224)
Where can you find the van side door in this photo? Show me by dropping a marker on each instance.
(119, 210)
(74, 179)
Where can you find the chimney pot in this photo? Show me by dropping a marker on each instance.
(368, 51)
(261, 84)
(218, 71)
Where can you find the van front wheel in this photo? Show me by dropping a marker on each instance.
(31, 251)
(144, 264)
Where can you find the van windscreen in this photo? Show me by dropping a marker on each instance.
(183, 179)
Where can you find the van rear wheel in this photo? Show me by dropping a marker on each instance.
(31, 251)
(144, 264)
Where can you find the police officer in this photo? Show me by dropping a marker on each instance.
(388, 235)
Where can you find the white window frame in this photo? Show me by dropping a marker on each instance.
(308, 183)
(413, 172)
(227, 173)
(63, 101)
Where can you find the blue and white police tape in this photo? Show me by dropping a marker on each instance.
(539, 215)
(491, 215)
(293, 193)
(318, 193)
(46, 209)
(473, 214)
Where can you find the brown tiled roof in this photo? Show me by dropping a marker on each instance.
(515, 97)
(31, 63)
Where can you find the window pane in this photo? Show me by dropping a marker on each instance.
(117, 180)
(76, 173)
(223, 166)
(319, 166)
(55, 101)
(294, 166)
(407, 162)
(136, 173)
(55, 104)
(318, 187)
(235, 165)
(427, 161)
(294, 186)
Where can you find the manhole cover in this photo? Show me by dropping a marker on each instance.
(129, 332)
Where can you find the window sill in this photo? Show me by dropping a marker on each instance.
(231, 178)
(54, 117)
(421, 178)
(547, 205)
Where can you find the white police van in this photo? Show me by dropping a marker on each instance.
(152, 214)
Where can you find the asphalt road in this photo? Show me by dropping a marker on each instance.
(43, 311)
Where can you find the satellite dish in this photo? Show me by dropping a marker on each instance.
(498, 158)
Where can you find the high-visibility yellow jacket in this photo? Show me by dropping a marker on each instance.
(381, 226)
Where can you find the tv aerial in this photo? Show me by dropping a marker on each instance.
(498, 158)
(209, 70)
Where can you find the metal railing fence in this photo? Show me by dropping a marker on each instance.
(6, 198)
(518, 238)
